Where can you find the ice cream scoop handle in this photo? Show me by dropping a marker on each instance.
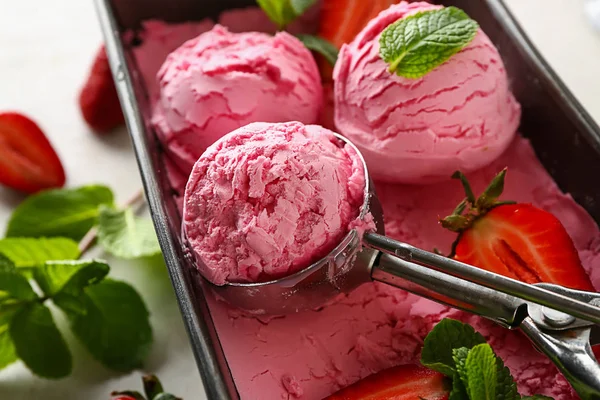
(485, 278)
(449, 290)
(571, 352)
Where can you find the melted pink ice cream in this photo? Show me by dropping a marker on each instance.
(312, 354)
(267, 200)
(460, 116)
(220, 81)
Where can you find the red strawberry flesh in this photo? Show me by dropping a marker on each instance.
(27, 160)
(404, 382)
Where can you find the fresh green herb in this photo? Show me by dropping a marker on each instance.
(124, 235)
(115, 326)
(29, 253)
(38, 342)
(437, 353)
(109, 317)
(321, 46)
(62, 212)
(417, 44)
(480, 372)
(301, 6)
(283, 12)
(456, 350)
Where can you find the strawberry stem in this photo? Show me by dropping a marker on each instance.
(492, 192)
(468, 191)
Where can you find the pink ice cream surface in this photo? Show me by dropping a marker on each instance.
(220, 81)
(460, 116)
(310, 355)
(270, 199)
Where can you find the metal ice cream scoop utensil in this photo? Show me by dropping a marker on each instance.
(560, 322)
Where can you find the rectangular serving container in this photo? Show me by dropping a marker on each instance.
(564, 136)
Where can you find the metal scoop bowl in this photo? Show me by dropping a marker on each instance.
(561, 322)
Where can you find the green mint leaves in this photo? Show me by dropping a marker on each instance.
(438, 347)
(456, 350)
(124, 235)
(107, 316)
(321, 46)
(283, 12)
(62, 212)
(417, 44)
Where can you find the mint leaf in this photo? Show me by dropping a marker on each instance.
(417, 44)
(321, 46)
(300, 6)
(69, 276)
(61, 212)
(39, 343)
(447, 335)
(8, 354)
(506, 387)
(12, 283)
(481, 372)
(460, 359)
(32, 252)
(115, 327)
(124, 235)
(280, 12)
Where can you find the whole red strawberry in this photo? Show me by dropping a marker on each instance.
(404, 382)
(98, 100)
(152, 388)
(516, 240)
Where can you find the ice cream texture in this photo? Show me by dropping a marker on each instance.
(220, 81)
(269, 199)
(460, 116)
(311, 354)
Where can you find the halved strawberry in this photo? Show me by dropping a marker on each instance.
(404, 382)
(342, 20)
(98, 100)
(520, 241)
(27, 160)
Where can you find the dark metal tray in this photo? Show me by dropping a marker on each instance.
(564, 136)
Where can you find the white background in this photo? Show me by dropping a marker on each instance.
(46, 48)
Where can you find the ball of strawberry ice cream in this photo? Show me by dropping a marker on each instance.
(268, 200)
(460, 116)
(221, 81)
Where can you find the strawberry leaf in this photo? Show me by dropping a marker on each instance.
(466, 185)
(62, 212)
(417, 44)
(490, 195)
(124, 235)
(39, 343)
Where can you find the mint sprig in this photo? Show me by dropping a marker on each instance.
(419, 43)
(67, 213)
(458, 351)
(124, 235)
(108, 317)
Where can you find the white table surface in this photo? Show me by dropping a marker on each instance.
(46, 50)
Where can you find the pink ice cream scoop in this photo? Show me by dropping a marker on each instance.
(269, 199)
(221, 81)
(460, 116)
